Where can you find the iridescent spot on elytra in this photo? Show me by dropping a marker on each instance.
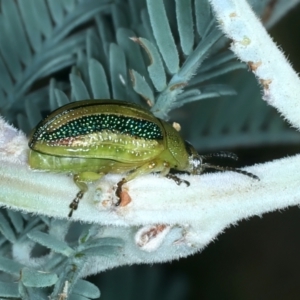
(96, 123)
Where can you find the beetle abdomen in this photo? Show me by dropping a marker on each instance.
(100, 129)
(91, 116)
(75, 165)
(98, 123)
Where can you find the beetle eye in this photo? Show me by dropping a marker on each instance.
(196, 164)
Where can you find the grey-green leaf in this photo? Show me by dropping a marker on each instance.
(198, 55)
(61, 97)
(10, 10)
(156, 69)
(98, 80)
(142, 87)
(42, 17)
(7, 49)
(56, 10)
(33, 278)
(10, 267)
(203, 16)
(51, 242)
(33, 112)
(86, 289)
(185, 25)
(223, 69)
(6, 83)
(132, 50)
(9, 290)
(118, 72)
(69, 4)
(120, 15)
(211, 91)
(27, 9)
(16, 219)
(163, 35)
(79, 89)
(6, 229)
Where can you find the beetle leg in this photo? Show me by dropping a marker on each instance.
(81, 181)
(119, 190)
(177, 179)
(74, 204)
(151, 167)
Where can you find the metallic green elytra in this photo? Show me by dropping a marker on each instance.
(91, 138)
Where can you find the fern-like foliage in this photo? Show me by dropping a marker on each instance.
(150, 68)
(107, 61)
(38, 38)
(61, 267)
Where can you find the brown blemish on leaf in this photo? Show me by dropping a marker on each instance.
(178, 86)
(254, 66)
(151, 234)
(138, 41)
(266, 83)
(106, 203)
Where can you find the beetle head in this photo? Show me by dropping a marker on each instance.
(196, 165)
(194, 160)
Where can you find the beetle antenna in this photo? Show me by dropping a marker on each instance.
(223, 154)
(209, 166)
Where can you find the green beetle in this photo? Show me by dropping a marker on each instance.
(91, 138)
